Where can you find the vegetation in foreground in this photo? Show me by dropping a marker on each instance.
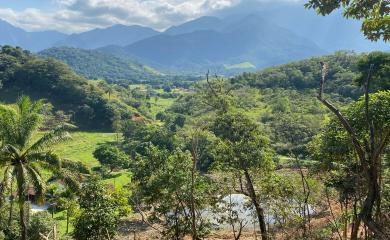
(203, 148)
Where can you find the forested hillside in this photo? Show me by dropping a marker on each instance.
(24, 73)
(259, 143)
(93, 64)
(304, 75)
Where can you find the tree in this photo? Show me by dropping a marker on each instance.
(9, 224)
(375, 14)
(173, 191)
(378, 65)
(244, 150)
(100, 212)
(111, 157)
(49, 78)
(368, 129)
(68, 202)
(20, 155)
(195, 139)
(41, 226)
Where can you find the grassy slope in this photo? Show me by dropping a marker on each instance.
(82, 145)
(80, 148)
(160, 105)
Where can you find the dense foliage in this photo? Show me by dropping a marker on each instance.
(23, 155)
(255, 150)
(23, 72)
(99, 215)
(305, 74)
(98, 65)
(111, 157)
(95, 64)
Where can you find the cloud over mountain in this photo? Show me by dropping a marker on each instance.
(80, 15)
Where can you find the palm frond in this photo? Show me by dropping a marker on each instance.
(55, 136)
(75, 166)
(19, 123)
(8, 124)
(10, 151)
(29, 119)
(37, 183)
(50, 159)
(69, 179)
(5, 185)
(8, 176)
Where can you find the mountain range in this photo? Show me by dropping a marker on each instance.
(216, 42)
(33, 41)
(274, 34)
(120, 35)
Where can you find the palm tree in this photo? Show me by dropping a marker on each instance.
(21, 157)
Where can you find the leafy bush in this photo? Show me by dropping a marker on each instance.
(41, 223)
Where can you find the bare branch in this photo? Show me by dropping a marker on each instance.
(209, 85)
(370, 122)
(340, 116)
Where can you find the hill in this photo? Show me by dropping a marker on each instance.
(93, 64)
(249, 39)
(283, 97)
(120, 35)
(82, 101)
(305, 75)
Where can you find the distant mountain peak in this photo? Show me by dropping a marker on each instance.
(202, 23)
(124, 27)
(117, 34)
(33, 41)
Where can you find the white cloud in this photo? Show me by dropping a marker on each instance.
(81, 15)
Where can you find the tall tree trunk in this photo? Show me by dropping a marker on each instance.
(369, 157)
(355, 222)
(22, 198)
(345, 232)
(258, 208)
(23, 220)
(11, 208)
(195, 157)
(193, 213)
(67, 222)
(378, 214)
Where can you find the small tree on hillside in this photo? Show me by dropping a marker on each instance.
(111, 156)
(99, 213)
(244, 150)
(367, 126)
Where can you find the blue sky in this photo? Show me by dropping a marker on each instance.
(80, 15)
(23, 4)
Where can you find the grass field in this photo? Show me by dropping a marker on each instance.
(81, 148)
(82, 145)
(160, 105)
(118, 179)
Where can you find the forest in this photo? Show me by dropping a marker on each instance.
(97, 147)
(253, 154)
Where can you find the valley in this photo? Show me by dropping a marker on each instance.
(201, 120)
